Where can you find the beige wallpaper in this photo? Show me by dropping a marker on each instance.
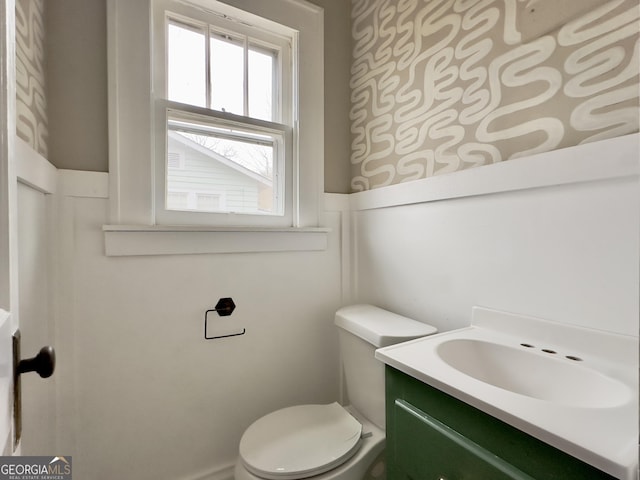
(31, 105)
(439, 86)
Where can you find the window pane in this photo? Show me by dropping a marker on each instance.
(227, 75)
(225, 170)
(261, 84)
(186, 76)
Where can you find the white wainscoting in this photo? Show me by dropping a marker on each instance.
(553, 236)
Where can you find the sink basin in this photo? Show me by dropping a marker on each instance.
(534, 373)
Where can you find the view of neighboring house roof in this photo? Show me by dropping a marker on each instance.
(220, 158)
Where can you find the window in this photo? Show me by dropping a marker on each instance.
(229, 131)
(224, 103)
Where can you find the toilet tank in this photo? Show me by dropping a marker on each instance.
(363, 329)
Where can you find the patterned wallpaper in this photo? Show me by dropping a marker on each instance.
(439, 86)
(31, 104)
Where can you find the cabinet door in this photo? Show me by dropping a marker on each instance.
(426, 449)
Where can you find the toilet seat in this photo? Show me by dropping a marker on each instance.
(300, 442)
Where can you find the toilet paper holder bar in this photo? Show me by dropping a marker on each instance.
(223, 308)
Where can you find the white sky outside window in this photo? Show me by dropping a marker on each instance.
(227, 76)
(186, 72)
(260, 85)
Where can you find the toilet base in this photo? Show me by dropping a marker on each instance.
(353, 469)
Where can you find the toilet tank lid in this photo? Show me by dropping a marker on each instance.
(380, 327)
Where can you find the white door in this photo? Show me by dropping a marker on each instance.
(8, 227)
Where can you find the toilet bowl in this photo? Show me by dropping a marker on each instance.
(332, 442)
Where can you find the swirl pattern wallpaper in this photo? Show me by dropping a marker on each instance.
(31, 105)
(438, 86)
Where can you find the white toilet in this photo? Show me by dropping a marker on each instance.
(331, 441)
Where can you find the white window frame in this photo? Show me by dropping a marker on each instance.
(262, 32)
(132, 128)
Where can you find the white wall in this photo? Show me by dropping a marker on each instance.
(34, 270)
(146, 396)
(566, 252)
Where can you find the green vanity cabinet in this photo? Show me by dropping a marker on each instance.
(433, 436)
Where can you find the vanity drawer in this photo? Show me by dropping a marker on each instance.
(431, 450)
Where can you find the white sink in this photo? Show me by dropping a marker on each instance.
(525, 370)
(571, 387)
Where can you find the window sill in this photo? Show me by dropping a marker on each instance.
(133, 240)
